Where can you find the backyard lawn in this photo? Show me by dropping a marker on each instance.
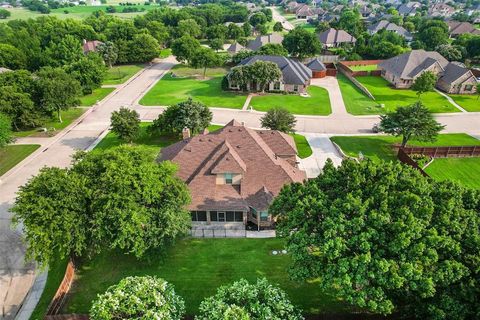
(317, 104)
(197, 267)
(97, 95)
(120, 74)
(356, 102)
(379, 146)
(364, 68)
(303, 147)
(392, 98)
(465, 171)
(68, 117)
(468, 102)
(189, 83)
(11, 155)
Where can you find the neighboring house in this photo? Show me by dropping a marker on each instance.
(304, 12)
(335, 38)
(275, 38)
(401, 71)
(409, 8)
(389, 26)
(235, 48)
(291, 7)
(295, 76)
(234, 173)
(365, 11)
(90, 46)
(457, 79)
(456, 28)
(440, 10)
(327, 17)
(319, 70)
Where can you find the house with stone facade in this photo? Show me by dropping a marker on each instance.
(295, 75)
(402, 70)
(234, 173)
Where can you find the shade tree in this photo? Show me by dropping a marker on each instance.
(280, 119)
(125, 123)
(205, 58)
(424, 83)
(5, 130)
(301, 43)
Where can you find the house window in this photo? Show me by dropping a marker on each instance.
(213, 216)
(295, 88)
(468, 87)
(263, 215)
(199, 215)
(228, 178)
(276, 86)
(228, 216)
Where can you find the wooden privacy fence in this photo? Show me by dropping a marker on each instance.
(58, 300)
(445, 152)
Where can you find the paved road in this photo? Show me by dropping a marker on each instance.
(16, 278)
(278, 17)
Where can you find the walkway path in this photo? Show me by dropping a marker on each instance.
(456, 105)
(277, 16)
(16, 278)
(334, 93)
(247, 102)
(322, 149)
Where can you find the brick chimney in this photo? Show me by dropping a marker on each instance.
(185, 133)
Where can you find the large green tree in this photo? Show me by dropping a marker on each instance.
(184, 48)
(125, 123)
(424, 83)
(5, 130)
(279, 118)
(143, 48)
(411, 122)
(109, 52)
(114, 199)
(139, 298)
(89, 71)
(272, 49)
(385, 238)
(66, 51)
(19, 108)
(57, 90)
(242, 300)
(11, 57)
(187, 114)
(205, 58)
(301, 43)
(264, 72)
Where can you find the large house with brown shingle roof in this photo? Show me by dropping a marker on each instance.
(234, 173)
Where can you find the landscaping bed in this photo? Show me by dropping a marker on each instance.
(197, 267)
(11, 155)
(317, 104)
(183, 83)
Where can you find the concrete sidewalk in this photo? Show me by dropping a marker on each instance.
(322, 149)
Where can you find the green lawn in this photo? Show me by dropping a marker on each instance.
(465, 171)
(379, 146)
(392, 98)
(56, 272)
(120, 74)
(356, 102)
(303, 148)
(364, 68)
(11, 155)
(67, 116)
(189, 83)
(317, 104)
(197, 267)
(467, 101)
(97, 95)
(164, 53)
(308, 27)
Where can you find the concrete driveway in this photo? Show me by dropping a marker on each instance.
(322, 149)
(16, 277)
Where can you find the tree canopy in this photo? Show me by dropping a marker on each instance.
(301, 43)
(5, 130)
(118, 198)
(280, 119)
(125, 124)
(248, 301)
(385, 238)
(411, 122)
(139, 298)
(424, 83)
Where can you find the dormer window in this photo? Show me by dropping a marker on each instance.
(228, 178)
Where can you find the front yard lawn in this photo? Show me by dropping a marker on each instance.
(11, 155)
(392, 98)
(189, 83)
(197, 267)
(120, 74)
(379, 146)
(317, 104)
(465, 171)
(356, 102)
(97, 95)
(469, 102)
(303, 147)
(68, 117)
